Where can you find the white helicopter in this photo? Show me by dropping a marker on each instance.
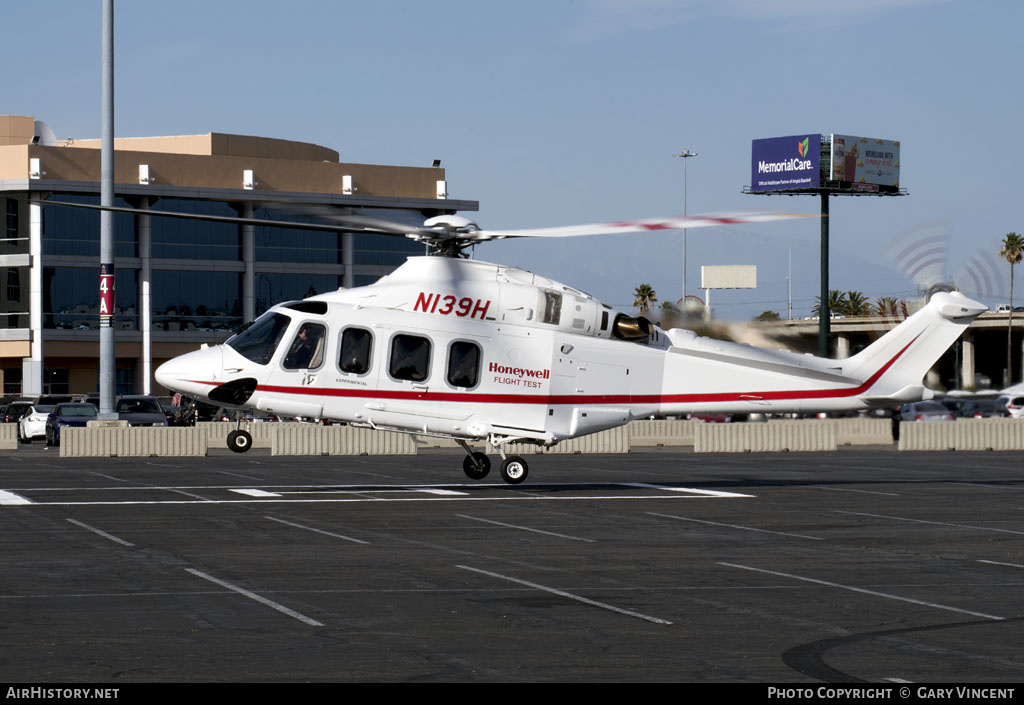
(472, 351)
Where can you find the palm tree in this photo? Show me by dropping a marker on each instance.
(857, 304)
(890, 307)
(836, 303)
(643, 298)
(1012, 251)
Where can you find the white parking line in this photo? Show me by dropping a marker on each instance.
(259, 598)
(736, 526)
(1009, 565)
(569, 595)
(257, 493)
(11, 498)
(99, 532)
(318, 531)
(863, 591)
(526, 528)
(686, 490)
(935, 523)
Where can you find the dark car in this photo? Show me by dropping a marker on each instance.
(68, 414)
(15, 410)
(983, 409)
(140, 410)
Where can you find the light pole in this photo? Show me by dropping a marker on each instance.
(684, 155)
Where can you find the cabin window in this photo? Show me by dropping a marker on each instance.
(356, 348)
(258, 340)
(307, 349)
(463, 364)
(410, 358)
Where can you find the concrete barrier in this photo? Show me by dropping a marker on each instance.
(262, 432)
(124, 442)
(294, 438)
(963, 434)
(764, 437)
(861, 431)
(8, 436)
(316, 439)
(853, 431)
(661, 432)
(614, 440)
(351, 440)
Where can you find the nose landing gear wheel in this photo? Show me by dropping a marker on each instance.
(514, 469)
(239, 441)
(476, 466)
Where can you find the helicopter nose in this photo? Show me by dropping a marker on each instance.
(194, 373)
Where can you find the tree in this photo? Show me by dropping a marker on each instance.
(643, 298)
(768, 316)
(890, 307)
(857, 304)
(836, 303)
(1012, 250)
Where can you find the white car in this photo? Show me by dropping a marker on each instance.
(1014, 404)
(33, 423)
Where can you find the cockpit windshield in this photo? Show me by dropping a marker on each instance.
(259, 341)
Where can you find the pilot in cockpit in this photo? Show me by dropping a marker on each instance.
(307, 350)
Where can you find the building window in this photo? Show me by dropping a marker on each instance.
(12, 219)
(410, 358)
(273, 288)
(356, 349)
(76, 231)
(275, 244)
(12, 381)
(71, 298)
(55, 380)
(196, 300)
(463, 364)
(13, 285)
(184, 238)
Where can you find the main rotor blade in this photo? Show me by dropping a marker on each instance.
(631, 226)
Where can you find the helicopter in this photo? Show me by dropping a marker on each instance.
(473, 351)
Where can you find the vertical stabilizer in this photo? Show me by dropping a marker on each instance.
(894, 366)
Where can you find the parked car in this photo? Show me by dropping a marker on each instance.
(15, 410)
(140, 410)
(33, 423)
(983, 409)
(954, 404)
(925, 411)
(69, 414)
(1014, 404)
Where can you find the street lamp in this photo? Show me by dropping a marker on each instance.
(684, 155)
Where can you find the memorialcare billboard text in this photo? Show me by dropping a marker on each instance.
(785, 163)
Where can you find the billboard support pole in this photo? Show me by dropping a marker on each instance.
(824, 314)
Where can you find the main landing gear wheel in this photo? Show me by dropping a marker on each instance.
(239, 441)
(476, 466)
(514, 469)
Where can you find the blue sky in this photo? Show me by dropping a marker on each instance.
(561, 112)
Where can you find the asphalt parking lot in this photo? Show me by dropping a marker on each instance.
(853, 566)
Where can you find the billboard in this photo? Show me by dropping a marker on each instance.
(782, 163)
(729, 276)
(865, 161)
